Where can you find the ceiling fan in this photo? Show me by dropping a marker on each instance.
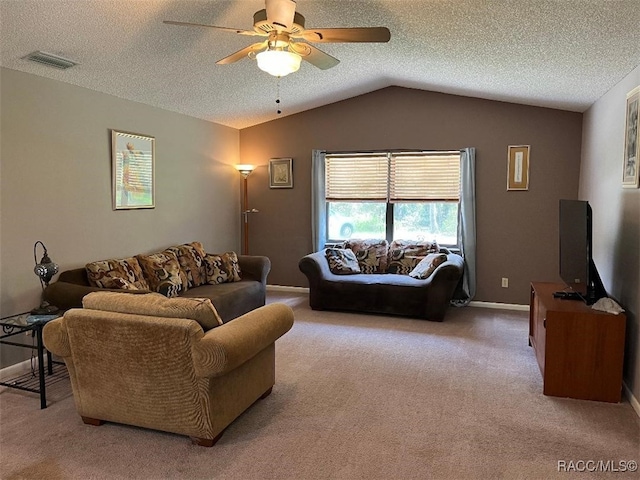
(280, 54)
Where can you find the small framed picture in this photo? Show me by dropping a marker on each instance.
(518, 167)
(631, 141)
(280, 173)
(132, 162)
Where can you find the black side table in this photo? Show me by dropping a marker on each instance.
(19, 324)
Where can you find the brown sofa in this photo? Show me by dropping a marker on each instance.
(380, 291)
(230, 299)
(158, 368)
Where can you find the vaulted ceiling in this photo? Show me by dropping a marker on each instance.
(555, 53)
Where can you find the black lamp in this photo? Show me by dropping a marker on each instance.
(45, 269)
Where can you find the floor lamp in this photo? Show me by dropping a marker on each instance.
(245, 170)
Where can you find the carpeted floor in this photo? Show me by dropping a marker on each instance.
(356, 397)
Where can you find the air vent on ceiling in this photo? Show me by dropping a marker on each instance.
(50, 60)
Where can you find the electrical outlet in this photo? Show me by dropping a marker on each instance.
(505, 282)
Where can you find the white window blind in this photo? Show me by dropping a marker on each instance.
(424, 177)
(393, 177)
(356, 177)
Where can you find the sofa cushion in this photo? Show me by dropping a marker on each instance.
(191, 259)
(222, 268)
(124, 273)
(371, 254)
(163, 273)
(405, 255)
(427, 265)
(154, 304)
(342, 261)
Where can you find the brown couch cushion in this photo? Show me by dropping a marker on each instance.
(154, 304)
(163, 273)
(191, 259)
(427, 265)
(124, 273)
(405, 255)
(222, 268)
(371, 254)
(342, 261)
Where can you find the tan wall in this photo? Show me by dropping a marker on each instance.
(56, 182)
(517, 231)
(616, 213)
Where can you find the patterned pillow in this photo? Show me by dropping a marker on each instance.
(124, 273)
(233, 267)
(405, 255)
(163, 273)
(427, 265)
(191, 259)
(371, 254)
(342, 261)
(222, 268)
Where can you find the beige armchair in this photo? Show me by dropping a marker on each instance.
(163, 373)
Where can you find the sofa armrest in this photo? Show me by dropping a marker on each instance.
(254, 267)
(452, 269)
(55, 338)
(316, 267)
(228, 346)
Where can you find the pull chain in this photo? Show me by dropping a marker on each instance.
(278, 111)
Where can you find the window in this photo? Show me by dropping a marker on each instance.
(392, 195)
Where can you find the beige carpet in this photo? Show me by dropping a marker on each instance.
(356, 397)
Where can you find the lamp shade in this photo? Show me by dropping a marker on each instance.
(278, 62)
(45, 268)
(245, 169)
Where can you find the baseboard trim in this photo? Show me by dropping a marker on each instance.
(631, 397)
(15, 370)
(286, 288)
(501, 306)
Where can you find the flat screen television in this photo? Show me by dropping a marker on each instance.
(577, 269)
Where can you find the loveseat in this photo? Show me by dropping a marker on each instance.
(415, 279)
(166, 363)
(236, 284)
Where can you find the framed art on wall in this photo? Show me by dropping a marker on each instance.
(132, 170)
(518, 167)
(631, 140)
(280, 173)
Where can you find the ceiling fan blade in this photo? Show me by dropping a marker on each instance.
(314, 55)
(226, 29)
(240, 54)
(281, 12)
(346, 35)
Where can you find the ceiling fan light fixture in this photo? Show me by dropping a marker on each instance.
(278, 63)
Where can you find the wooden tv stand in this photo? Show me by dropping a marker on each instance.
(580, 350)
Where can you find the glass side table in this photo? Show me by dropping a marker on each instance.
(31, 325)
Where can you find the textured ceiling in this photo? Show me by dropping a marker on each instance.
(555, 53)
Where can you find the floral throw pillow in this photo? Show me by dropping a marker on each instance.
(124, 273)
(222, 268)
(163, 273)
(428, 265)
(371, 254)
(342, 261)
(405, 255)
(191, 260)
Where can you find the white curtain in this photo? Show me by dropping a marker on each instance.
(318, 208)
(467, 227)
